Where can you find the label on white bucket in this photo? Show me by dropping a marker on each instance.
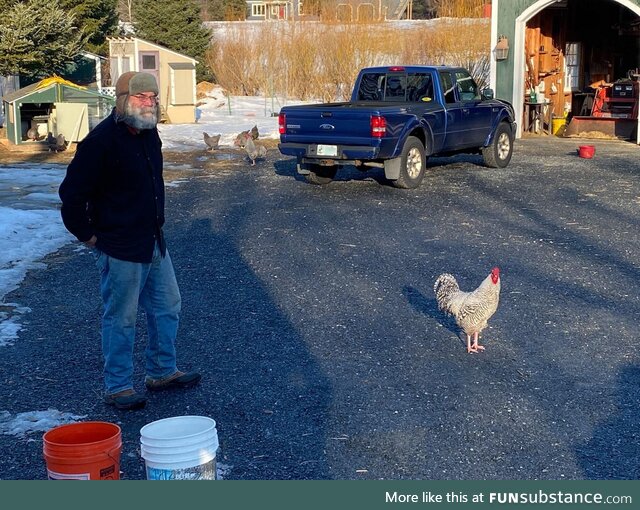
(206, 471)
(66, 476)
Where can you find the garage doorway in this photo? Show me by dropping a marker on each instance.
(582, 58)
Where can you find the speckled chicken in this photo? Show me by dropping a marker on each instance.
(471, 310)
(254, 151)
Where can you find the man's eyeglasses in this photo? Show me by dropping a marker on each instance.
(143, 98)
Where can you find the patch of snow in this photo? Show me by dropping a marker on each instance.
(26, 423)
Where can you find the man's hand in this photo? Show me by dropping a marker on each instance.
(91, 242)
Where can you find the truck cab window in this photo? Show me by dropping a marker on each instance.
(467, 88)
(371, 87)
(395, 90)
(448, 89)
(419, 87)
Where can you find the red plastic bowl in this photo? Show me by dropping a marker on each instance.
(586, 151)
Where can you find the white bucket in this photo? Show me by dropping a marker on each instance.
(180, 448)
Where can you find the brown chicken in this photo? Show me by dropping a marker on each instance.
(239, 141)
(471, 310)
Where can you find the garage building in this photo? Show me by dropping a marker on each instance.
(575, 62)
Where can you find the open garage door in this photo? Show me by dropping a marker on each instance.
(579, 60)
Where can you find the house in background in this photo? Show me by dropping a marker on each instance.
(175, 73)
(274, 10)
(346, 10)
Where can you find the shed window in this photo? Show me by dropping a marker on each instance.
(125, 64)
(119, 65)
(258, 10)
(149, 62)
(572, 57)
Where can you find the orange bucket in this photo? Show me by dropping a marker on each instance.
(586, 151)
(87, 450)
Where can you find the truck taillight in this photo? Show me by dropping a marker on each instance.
(282, 124)
(378, 126)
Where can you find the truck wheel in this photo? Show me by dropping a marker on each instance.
(498, 153)
(321, 174)
(412, 164)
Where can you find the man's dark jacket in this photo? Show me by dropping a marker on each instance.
(114, 190)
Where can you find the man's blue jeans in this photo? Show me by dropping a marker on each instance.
(123, 285)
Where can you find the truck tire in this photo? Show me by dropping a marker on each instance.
(498, 153)
(412, 164)
(321, 174)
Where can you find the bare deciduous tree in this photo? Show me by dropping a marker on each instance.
(125, 10)
(294, 65)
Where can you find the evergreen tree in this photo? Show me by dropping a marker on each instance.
(235, 10)
(423, 9)
(98, 19)
(175, 25)
(38, 39)
(5, 5)
(223, 10)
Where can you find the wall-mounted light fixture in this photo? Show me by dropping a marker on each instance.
(502, 48)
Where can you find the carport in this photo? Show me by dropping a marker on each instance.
(53, 105)
(566, 52)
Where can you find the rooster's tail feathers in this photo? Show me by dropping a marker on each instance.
(446, 285)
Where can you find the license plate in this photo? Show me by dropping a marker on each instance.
(327, 150)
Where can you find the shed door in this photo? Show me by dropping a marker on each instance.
(149, 62)
(72, 120)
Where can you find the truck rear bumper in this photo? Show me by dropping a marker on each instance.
(346, 154)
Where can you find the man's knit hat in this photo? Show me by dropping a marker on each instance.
(132, 83)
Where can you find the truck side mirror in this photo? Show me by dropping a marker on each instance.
(486, 94)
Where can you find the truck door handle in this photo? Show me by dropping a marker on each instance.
(326, 114)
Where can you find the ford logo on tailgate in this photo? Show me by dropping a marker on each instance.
(327, 126)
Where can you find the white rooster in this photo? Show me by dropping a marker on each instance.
(471, 310)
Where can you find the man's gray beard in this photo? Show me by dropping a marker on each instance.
(133, 117)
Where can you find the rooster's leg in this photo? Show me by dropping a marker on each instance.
(476, 346)
(470, 349)
(473, 347)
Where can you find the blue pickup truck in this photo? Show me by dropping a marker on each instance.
(397, 117)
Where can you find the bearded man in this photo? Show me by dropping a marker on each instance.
(113, 202)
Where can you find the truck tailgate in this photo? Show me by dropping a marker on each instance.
(336, 123)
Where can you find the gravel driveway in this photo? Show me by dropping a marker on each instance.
(310, 312)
